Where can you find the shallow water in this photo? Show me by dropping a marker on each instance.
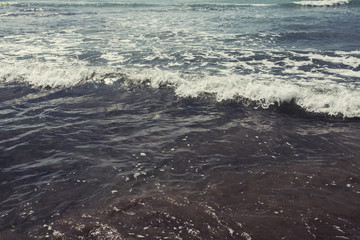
(140, 162)
(179, 120)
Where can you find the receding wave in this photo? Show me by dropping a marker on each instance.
(322, 3)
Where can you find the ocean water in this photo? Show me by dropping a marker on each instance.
(180, 119)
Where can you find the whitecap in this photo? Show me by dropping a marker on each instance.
(321, 3)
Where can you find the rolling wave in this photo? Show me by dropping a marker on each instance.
(263, 90)
(260, 89)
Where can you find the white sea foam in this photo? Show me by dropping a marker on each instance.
(264, 89)
(316, 81)
(320, 3)
(54, 74)
(318, 92)
(341, 58)
(8, 3)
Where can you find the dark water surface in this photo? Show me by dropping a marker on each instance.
(124, 162)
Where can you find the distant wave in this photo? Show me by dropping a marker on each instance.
(324, 3)
(208, 6)
(78, 4)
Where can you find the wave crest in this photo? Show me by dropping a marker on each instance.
(56, 75)
(261, 89)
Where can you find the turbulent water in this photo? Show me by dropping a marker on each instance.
(181, 119)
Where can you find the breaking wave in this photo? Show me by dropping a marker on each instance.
(260, 89)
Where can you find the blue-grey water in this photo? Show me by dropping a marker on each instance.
(160, 119)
